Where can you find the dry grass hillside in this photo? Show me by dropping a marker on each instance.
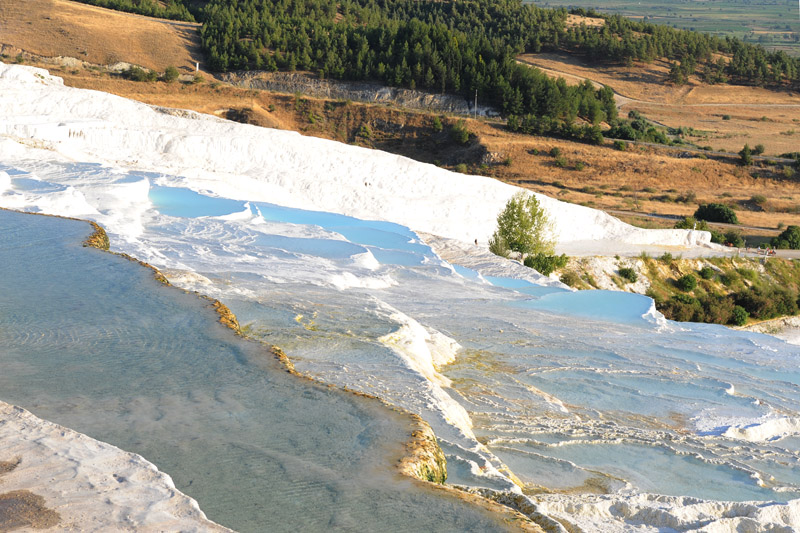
(727, 116)
(69, 29)
(640, 179)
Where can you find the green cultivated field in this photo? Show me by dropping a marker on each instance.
(775, 24)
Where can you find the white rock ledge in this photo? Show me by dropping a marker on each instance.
(92, 485)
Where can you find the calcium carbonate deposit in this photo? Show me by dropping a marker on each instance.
(588, 410)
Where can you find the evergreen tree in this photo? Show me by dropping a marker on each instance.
(746, 156)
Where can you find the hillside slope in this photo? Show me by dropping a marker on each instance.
(96, 35)
(641, 179)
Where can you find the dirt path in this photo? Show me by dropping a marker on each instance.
(679, 217)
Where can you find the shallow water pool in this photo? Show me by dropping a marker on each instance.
(91, 341)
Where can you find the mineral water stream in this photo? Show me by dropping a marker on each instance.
(586, 399)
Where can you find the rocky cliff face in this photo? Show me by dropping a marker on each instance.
(308, 84)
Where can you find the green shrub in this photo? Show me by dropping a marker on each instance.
(747, 274)
(271, 108)
(560, 162)
(734, 238)
(524, 227)
(687, 283)
(498, 246)
(437, 125)
(681, 307)
(692, 223)
(628, 274)
(729, 278)
(726, 117)
(789, 238)
(555, 151)
(716, 213)
(758, 199)
(666, 258)
(767, 302)
(717, 309)
(716, 236)
(462, 168)
(758, 149)
(171, 74)
(580, 165)
(546, 264)
(746, 155)
(135, 73)
(459, 133)
(570, 279)
(513, 123)
(739, 316)
(706, 272)
(620, 145)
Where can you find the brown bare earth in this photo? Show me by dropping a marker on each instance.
(69, 29)
(8, 466)
(577, 20)
(756, 115)
(642, 179)
(21, 508)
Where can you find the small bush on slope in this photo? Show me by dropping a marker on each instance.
(523, 227)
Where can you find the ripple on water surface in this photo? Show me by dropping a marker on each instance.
(90, 341)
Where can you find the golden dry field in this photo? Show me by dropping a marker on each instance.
(754, 115)
(577, 20)
(641, 179)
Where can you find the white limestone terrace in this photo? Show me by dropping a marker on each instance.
(218, 158)
(247, 162)
(93, 486)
